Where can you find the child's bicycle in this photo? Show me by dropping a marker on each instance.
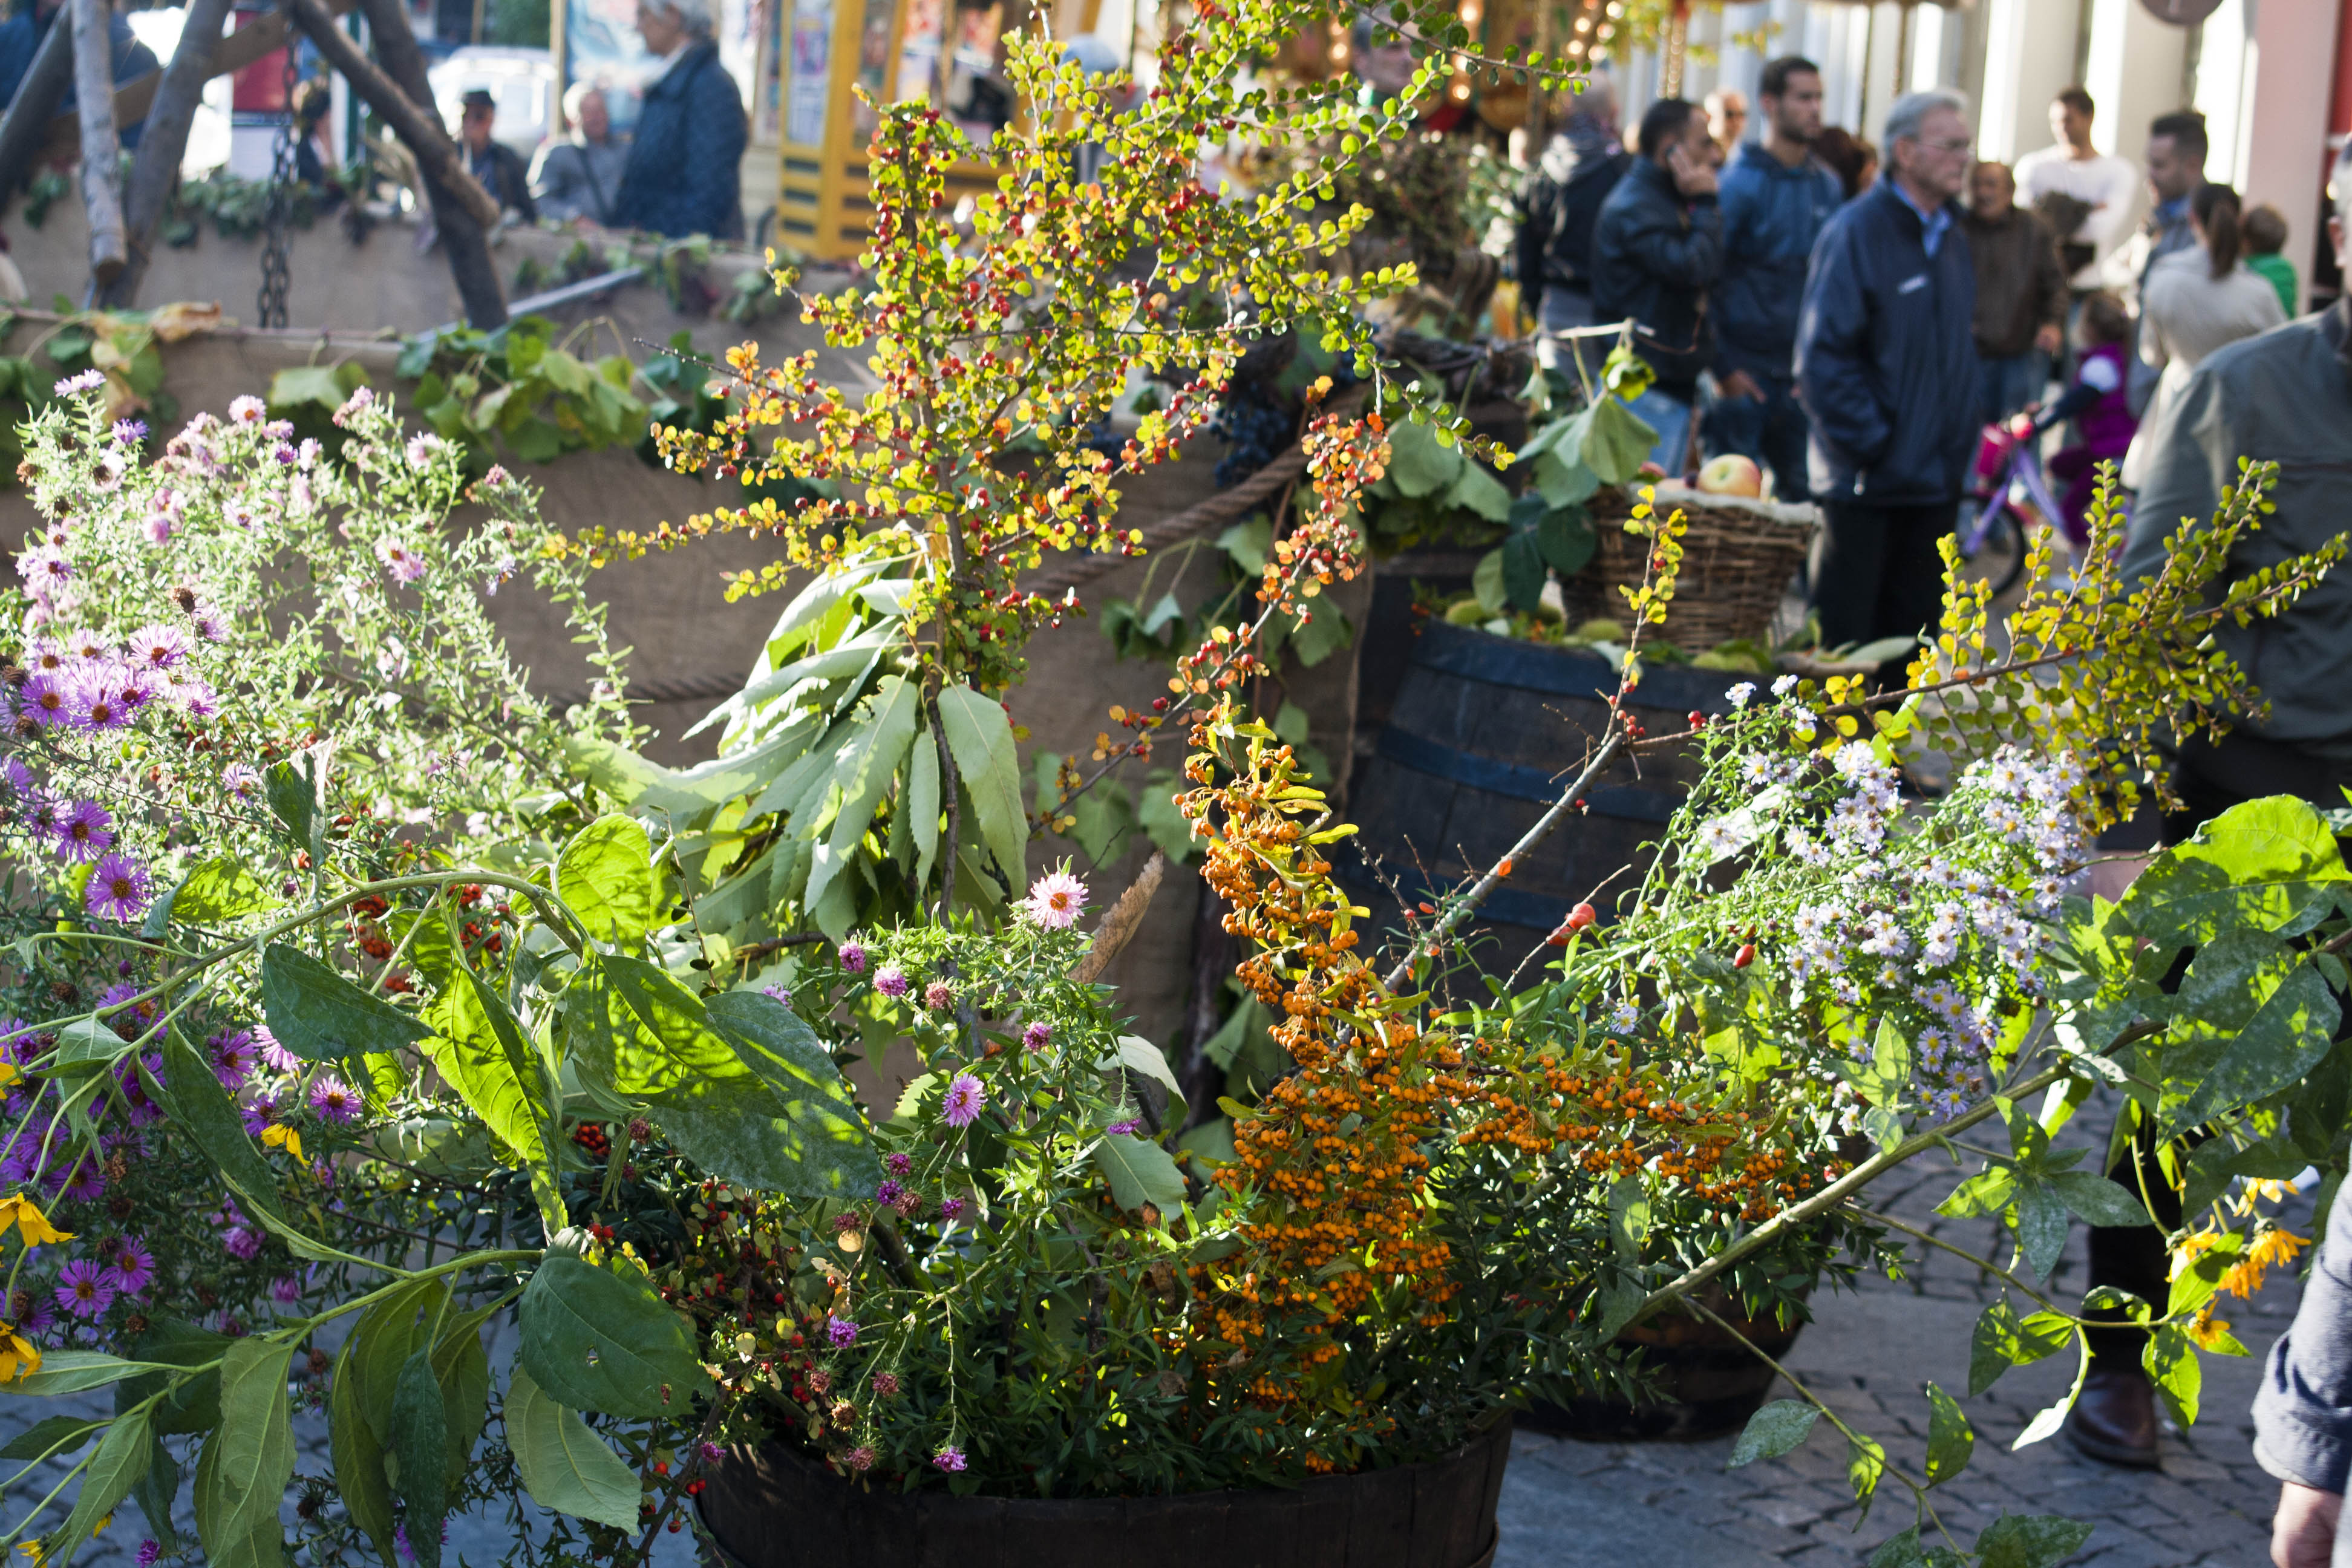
(2012, 496)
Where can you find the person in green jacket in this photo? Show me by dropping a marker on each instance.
(2263, 228)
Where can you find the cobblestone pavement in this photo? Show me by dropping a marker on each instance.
(1567, 1504)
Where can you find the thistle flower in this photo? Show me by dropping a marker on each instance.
(859, 1459)
(149, 1554)
(1037, 1035)
(1120, 1129)
(963, 1102)
(853, 958)
(133, 1267)
(84, 1289)
(841, 1332)
(85, 832)
(334, 1099)
(890, 1191)
(949, 1458)
(118, 888)
(899, 1165)
(939, 997)
(885, 1385)
(891, 980)
(1055, 899)
(950, 1209)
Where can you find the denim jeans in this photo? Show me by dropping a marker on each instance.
(1669, 414)
(2006, 386)
(1563, 309)
(1771, 429)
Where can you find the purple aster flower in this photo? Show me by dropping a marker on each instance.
(130, 432)
(81, 381)
(853, 958)
(125, 1017)
(133, 688)
(85, 832)
(149, 1554)
(94, 698)
(32, 1314)
(950, 1209)
(899, 1165)
(241, 1242)
(712, 1453)
(84, 1289)
(118, 888)
(964, 1099)
(400, 561)
(260, 1115)
(334, 1099)
(1037, 1036)
(86, 644)
(45, 570)
(198, 699)
(890, 1191)
(242, 780)
(133, 1266)
(209, 625)
(41, 818)
(45, 698)
(17, 777)
(841, 1332)
(949, 1458)
(891, 980)
(233, 1056)
(285, 1289)
(159, 647)
(275, 1057)
(85, 1183)
(1118, 1129)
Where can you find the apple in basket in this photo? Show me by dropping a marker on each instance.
(1731, 475)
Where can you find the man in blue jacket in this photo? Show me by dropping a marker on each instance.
(1656, 250)
(1776, 198)
(684, 173)
(1886, 366)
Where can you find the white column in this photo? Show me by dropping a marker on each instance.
(2285, 154)
(2029, 56)
(1926, 68)
(2133, 74)
(1883, 75)
(2225, 67)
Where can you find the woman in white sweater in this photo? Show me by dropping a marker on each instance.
(2197, 300)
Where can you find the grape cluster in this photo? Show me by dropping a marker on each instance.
(1256, 430)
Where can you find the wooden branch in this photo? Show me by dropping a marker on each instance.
(24, 130)
(1119, 925)
(419, 128)
(156, 167)
(462, 235)
(101, 153)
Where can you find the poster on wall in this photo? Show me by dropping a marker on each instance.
(808, 72)
(600, 44)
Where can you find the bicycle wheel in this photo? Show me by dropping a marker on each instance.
(1998, 559)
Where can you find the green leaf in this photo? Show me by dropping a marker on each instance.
(1950, 1439)
(2001, 1341)
(1865, 1461)
(1486, 582)
(2098, 1200)
(297, 384)
(219, 891)
(1139, 1171)
(194, 1402)
(606, 876)
(63, 1432)
(862, 770)
(979, 737)
(2041, 1225)
(77, 1372)
(597, 1341)
(2253, 1019)
(358, 1456)
(2171, 1360)
(2049, 1420)
(922, 804)
(420, 1448)
(1904, 1550)
(1773, 1431)
(478, 1047)
(1611, 441)
(1563, 481)
(462, 1367)
(247, 1460)
(2030, 1541)
(158, 1490)
(564, 1465)
(1105, 817)
(202, 1110)
(1418, 465)
(1477, 491)
(2266, 865)
(121, 1462)
(320, 1016)
(1524, 572)
(1565, 537)
(1171, 832)
(294, 798)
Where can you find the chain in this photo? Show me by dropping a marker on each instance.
(276, 272)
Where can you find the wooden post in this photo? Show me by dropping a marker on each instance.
(461, 234)
(101, 153)
(25, 129)
(156, 167)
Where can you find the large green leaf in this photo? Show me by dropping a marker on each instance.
(358, 1455)
(832, 1140)
(221, 890)
(1950, 1439)
(1418, 465)
(1139, 1171)
(862, 770)
(75, 1372)
(2253, 1017)
(63, 1434)
(1477, 490)
(247, 1460)
(1524, 572)
(320, 1016)
(420, 1448)
(203, 1111)
(194, 1402)
(2001, 1340)
(1566, 538)
(462, 1367)
(979, 737)
(2264, 865)
(2171, 1362)
(606, 876)
(922, 803)
(120, 1464)
(1773, 1431)
(2031, 1541)
(479, 1047)
(1563, 481)
(597, 1341)
(1611, 440)
(564, 1465)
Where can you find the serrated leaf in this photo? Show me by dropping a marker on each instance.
(597, 1341)
(478, 1047)
(1950, 1439)
(1139, 1171)
(979, 739)
(320, 1016)
(2030, 1541)
(1773, 1431)
(605, 876)
(563, 1465)
(1613, 441)
(2268, 865)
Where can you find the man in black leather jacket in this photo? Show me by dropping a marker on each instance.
(1655, 254)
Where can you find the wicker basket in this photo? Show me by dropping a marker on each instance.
(1737, 555)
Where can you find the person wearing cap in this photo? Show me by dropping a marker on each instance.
(684, 173)
(498, 167)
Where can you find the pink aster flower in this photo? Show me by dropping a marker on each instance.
(949, 1458)
(1037, 1036)
(964, 1099)
(246, 410)
(259, 1116)
(133, 1267)
(891, 980)
(275, 1057)
(1055, 899)
(403, 562)
(118, 888)
(159, 647)
(241, 1242)
(334, 1099)
(83, 381)
(85, 832)
(242, 780)
(84, 1288)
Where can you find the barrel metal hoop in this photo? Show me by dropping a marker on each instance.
(1474, 771)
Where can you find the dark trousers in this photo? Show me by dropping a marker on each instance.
(1878, 574)
(1771, 429)
(2210, 777)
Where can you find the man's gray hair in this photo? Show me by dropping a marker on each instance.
(1911, 110)
(694, 15)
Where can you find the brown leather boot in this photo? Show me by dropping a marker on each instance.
(2115, 1420)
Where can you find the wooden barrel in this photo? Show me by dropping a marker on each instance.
(1708, 1383)
(1483, 735)
(773, 1506)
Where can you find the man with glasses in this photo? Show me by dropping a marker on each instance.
(1886, 365)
